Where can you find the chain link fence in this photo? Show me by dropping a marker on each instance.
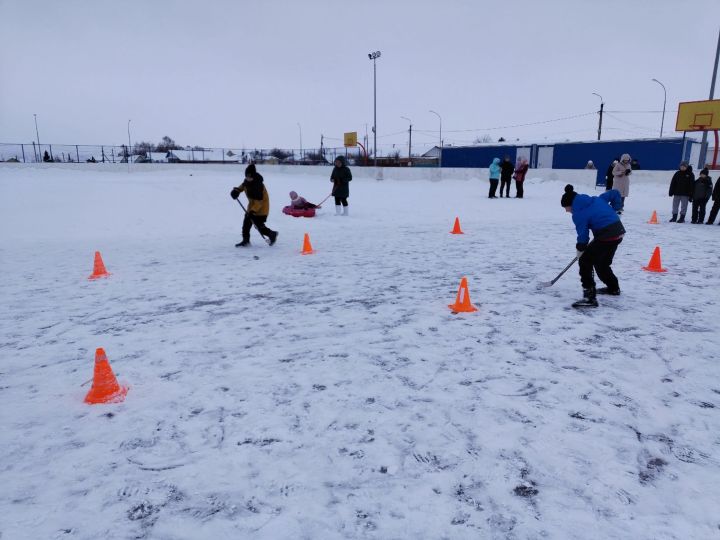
(89, 153)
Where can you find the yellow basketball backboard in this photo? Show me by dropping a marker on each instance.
(698, 115)
(350, 138)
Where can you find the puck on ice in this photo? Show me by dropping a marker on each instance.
(256, 257)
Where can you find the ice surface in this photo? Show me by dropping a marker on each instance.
(335, 395)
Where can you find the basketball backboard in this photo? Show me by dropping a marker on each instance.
(698, 115)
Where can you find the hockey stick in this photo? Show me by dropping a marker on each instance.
(253, 222)
(545, 284)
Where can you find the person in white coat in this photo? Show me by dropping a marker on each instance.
(621, 178)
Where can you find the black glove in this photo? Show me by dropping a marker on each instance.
(235, 193)
(627, 172)
(581, 246)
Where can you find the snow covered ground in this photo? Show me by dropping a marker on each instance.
(274, 395)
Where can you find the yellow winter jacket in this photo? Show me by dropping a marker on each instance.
(259, 207)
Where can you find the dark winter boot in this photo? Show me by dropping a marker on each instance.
(244, 243)
(608, 290)
(674, 218)
(589, 299)
(682, 218)
(273, 237)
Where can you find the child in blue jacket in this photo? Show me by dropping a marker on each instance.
(599, 215)
(494, 177)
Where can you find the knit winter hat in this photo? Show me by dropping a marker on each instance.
(704, 172)
(568, 196)
(250, 170)
(293, 195)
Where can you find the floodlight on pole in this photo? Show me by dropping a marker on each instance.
(37, 135)
(374, 56)
(662, 122)
(300, 128)
(602, 106)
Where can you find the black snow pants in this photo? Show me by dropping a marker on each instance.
(714, 211)
(599, 256)
(493, 188)
(259, 221)
(505, 186)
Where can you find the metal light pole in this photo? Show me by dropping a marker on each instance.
(602, 106)
(441, 141)
(128, 148)
(409, 140)
(374, 56)
(662, 122)
(703, 144)
(300, 128)
(38, 137)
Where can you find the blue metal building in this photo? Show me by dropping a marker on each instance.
(651, 154)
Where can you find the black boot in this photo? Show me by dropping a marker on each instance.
(608, 290)
(674, 218)
(244, 243)
(682, 218)
(273, 237)
(589, 299)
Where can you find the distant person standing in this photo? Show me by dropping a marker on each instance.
(520, 171)
(341, 177)
(609, 174)
(716, 203)
(702, 189)
(635, 165)
(590, 166)
(506, 172)
(621, 178)
(681, 189)
(494, 171)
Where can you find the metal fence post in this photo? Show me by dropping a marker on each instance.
(22, 147)
(77, 153)
(51, 154)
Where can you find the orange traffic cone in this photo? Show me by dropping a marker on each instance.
(99, 268)
(462, 302)
(653, 218)
(655, 265)
(456, 228)
(307, 246)
(105, 388)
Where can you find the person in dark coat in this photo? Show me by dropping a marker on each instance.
(635, 165)
(258, 206)
(609, 178)
(46, 157)
(702, 189)
(341, 177)
(519, 176)
(681, 190)
(716, 203)
(599, 215)
(506, 172)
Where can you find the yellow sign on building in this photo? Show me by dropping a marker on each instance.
(350, 138)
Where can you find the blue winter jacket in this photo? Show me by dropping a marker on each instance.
(495, 169)
(599, 215)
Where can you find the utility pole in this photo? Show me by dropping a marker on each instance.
(322, 151)
(602, 106)
(703, 145)
(128, 149)
(409, 140)
(301, 151)
(374, 56)
(441, 141)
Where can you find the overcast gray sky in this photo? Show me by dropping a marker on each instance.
(244, 73)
